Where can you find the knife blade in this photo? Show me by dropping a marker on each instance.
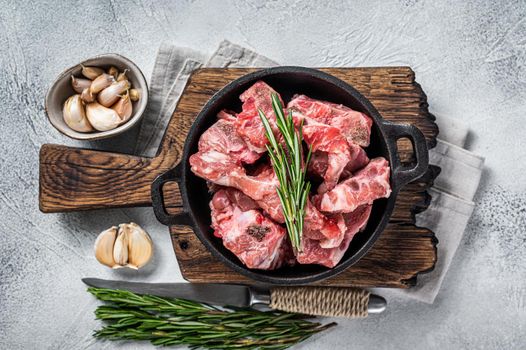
(217, 294)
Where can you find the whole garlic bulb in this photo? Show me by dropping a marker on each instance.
(125, 246)
(74, 114)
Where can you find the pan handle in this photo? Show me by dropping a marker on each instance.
(402, 175)
(172, 175)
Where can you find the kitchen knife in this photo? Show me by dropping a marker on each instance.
(318, 301)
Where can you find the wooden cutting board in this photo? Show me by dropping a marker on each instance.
(78, 179)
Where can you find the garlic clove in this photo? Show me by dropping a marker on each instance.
(102, 118)
(134, 95)
(87, 96)
(140, 245)
(113, 71)
(91, 72)
(104, 246)
(122, 76)
(74, 114)
(120, 248)
(123, 107)
(79, 84)
(111, 94)
(101, 82)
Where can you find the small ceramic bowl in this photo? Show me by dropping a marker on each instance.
(61, 90)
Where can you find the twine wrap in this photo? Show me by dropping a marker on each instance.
(321, 301)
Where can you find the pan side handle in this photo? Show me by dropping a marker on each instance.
(402, 174)
(73, 179)
(158, 199)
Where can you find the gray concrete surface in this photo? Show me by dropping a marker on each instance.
(470, 57)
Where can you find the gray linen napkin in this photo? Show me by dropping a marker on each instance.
(452, 194)
(450, 209)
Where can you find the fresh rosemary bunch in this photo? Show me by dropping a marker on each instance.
(164, 321)
(290, 169)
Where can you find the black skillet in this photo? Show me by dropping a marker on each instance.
(289, 81)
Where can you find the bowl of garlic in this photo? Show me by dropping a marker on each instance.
(98, 98)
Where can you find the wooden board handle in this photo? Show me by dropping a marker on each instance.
(79, 179)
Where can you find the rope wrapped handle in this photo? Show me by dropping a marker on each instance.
(321, 301)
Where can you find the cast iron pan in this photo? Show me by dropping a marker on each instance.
(289, 81)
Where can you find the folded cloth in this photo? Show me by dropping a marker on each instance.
(171, 70)
(452, 194)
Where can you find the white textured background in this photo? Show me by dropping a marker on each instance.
(469, 56)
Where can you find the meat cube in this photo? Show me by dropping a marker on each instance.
(227, 115)
(256, 240)
(222, 152)
(248, 123)
(340, 153)
(222, 137)
(262, 189)
(318, 226)
(355, 126)
(312, 251)
(319, 163)
(216, 167)
(328, 139)
(368, 184)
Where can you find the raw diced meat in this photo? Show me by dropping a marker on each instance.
(340, 153)
(319, 162)
(223, 138)
(328, 139)
(355, 126)
(358, 160)
(227, 115)
(312, 251)
(216, 167)
(219, 169)
(320, 227)
(222, 170)
(248, 123)
(256, 240)
(262, 189)
(337, 240)
(246, 210)
(368, 184)
(244, 202)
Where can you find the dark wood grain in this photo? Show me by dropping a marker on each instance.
(77, 179)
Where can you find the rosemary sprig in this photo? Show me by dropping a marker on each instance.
(288, 165)
(165, 321)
